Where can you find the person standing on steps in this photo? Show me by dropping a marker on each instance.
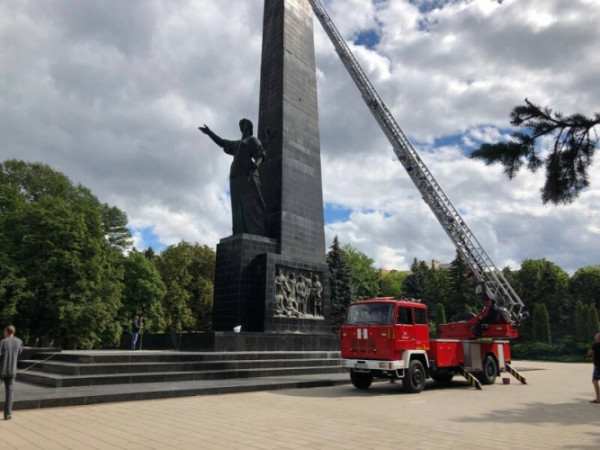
(10, 347)
(135, 330)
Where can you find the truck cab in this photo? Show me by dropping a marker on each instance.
(382, 337)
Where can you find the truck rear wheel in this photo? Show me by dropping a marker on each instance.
(361, 380)
(490, 370)
(414, 378)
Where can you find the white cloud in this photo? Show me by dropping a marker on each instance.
(112, 94)
(138, 240)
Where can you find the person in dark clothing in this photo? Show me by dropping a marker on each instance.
(10, 347)
(135, 330)
(594, 352)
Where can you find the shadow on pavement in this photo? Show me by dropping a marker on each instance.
(378, 388)
(580, 412)
(585, 447)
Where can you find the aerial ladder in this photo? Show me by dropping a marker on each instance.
(503, 307)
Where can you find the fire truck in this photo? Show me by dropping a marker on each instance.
(389, 338)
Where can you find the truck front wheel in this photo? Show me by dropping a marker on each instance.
(414, 378)
(361, 380)
(490, 370)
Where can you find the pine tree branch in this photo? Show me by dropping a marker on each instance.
(575, 141)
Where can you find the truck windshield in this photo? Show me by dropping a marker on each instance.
(371, 314)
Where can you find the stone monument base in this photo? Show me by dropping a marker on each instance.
(260, 290)
(261, 342)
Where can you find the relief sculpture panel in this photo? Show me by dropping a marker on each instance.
(298, 293)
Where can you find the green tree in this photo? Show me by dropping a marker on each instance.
(114, 225)
(439, 314)
(439, 286)
(567, 162)
(512, 277)
(416, 284)
(391, 284)
(431, 285)
(188, 274)
(592, 325)
(13, 286)
(580, 321)
(202, 269)
(541, 324)
(62, 280)
(143, 293)
(150, 254)
(365, 278)
(552, 289)
(462, 293)
(584, 285)
(436, 317)
(340, 282)
(13, 291)
(110, 296)
(542, 281)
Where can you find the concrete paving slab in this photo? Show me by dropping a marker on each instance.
(551, 412)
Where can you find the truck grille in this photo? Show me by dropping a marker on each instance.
(363, 345)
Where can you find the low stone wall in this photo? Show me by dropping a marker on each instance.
(222, 341)
(29, 352)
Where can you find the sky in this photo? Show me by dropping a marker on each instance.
(111, 93)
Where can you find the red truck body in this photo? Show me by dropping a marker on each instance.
(388, 338)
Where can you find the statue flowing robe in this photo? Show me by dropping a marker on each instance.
(247, 205)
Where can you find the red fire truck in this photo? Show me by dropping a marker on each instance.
(389, 339)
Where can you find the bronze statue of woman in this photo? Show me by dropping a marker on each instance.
(247, 204)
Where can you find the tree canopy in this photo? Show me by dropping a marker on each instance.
(541, 324)
(575, 141)
(584, 285)
(365, 277)
(391, 284)
(143, 292)
(430, 284)
(187, 271)
(60, 273)
(67, 277)
(462, 292)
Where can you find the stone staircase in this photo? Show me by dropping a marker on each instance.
(89, 368)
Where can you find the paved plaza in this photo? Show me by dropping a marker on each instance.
(551, 412)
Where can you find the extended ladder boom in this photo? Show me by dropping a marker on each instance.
(483, 267)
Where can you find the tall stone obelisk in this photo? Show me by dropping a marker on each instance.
(279, 283)
(288, 106)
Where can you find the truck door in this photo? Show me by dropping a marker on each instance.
(421, 329)
(405, 330)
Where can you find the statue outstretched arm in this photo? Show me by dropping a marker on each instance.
(211, 134)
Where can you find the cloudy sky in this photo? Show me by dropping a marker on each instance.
(111, 93)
